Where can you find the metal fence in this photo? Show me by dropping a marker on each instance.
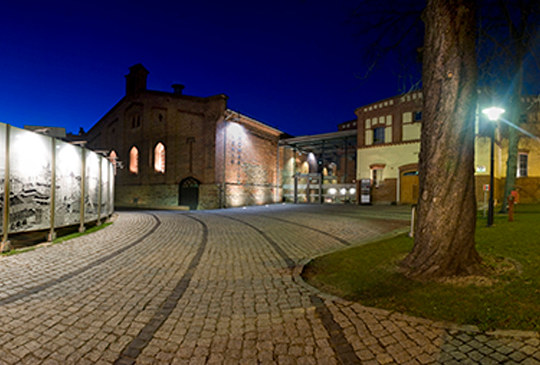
(46, 183)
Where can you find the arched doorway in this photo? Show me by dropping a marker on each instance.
(188, 193)
(408, 184)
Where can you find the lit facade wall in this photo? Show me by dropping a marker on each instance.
(401, 151)
(30, 163)
(247, 152)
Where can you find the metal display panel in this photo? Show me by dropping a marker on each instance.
(91, 198)
(68, 184)
(30, 180)
(2, 172)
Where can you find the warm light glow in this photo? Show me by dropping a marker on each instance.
(134, 160)
(332, 191)
(304, 169)
(343, 191)
(493, 113)
(352, 191)
(159, 158)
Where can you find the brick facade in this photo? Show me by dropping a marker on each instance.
(192, 130)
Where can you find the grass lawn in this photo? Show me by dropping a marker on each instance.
(511, 299)
(57, 240)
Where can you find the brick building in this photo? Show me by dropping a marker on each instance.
(175, 149)
(389, 145)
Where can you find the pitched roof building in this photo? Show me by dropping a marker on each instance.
(174, 149)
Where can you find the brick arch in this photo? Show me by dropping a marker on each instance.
(188, 192)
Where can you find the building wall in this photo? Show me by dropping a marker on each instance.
(392, 157)
(184, 125)
(248, 163)
(192, 131)
(401, 115)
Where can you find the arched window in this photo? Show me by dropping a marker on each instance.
(134, 160)
(159, 158)
(113, 157)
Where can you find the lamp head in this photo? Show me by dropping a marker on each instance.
(493, 113)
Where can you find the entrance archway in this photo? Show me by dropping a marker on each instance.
(188, 192)
(408, 184)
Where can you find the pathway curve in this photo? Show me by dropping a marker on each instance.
(219, 287)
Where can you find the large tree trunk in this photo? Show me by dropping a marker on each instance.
(444, 242)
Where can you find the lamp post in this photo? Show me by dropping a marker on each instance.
(493, 115)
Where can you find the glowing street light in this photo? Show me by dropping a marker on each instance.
(493, 114)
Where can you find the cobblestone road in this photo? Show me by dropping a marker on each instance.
(219, 287)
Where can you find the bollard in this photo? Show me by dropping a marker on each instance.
(510, 208)
(413, 216)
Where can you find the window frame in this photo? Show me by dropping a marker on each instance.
(377, 138)
(522, 171)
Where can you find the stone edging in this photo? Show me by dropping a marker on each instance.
(297, 277)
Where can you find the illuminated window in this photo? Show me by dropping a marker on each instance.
(134, 160)
(159, 158)
(523, 164)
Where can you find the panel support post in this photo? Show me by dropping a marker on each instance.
(100, 193)
(5, 244)
(276, 193)
(52, 235)
(295, 188)
(83, 188)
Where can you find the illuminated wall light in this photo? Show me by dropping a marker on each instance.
(332, 191)
(235, 130)
(36, 153)
(343, 191)
(68, 159)
(352, 191)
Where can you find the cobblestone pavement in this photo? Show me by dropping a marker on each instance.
(220, 287)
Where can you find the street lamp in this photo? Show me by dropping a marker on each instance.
(493, 115)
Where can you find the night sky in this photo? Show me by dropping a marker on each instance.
(295, 65)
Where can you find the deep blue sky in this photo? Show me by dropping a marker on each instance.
(291, 64)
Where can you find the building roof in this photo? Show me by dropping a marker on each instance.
(323, 143)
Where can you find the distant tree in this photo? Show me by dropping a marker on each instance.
(509, 51)
(444, 242)
(391, 35)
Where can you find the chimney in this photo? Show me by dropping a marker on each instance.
(136, 79)
(178, 88)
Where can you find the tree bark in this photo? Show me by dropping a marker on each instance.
(444, 242)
